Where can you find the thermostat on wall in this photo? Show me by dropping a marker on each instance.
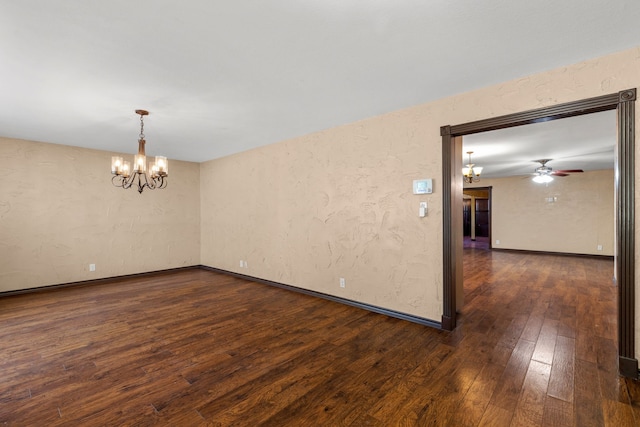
(422, 186)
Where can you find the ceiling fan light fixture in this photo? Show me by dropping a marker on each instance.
(542, 179)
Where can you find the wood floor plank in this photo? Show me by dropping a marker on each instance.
(567, 323)
(530, 409)
(496, 416)
(512, 335)
(508, 392)
(546, 343)
(633, 391)
(476, 400)
(533, 327)
(535, 345)
(586, 345)
(587, 395)
(557, 413)
(612, 387)
(617, 414)
(561, 381)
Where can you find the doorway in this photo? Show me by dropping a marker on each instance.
(624, 103)
(476, 217)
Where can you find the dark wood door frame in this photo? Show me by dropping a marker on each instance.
(624, 103)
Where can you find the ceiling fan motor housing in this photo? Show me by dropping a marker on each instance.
(543, 170)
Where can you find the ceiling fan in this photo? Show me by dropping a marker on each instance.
(545, 174)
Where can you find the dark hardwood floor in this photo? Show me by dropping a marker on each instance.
(536, 345)
(479, 243)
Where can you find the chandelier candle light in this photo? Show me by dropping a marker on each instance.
(471, 173)
(125, 177)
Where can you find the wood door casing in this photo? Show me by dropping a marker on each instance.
(624, 103)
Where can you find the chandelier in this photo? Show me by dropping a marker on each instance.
(471, 173)
(125, 177)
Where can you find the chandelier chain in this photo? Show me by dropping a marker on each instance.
(141, 126)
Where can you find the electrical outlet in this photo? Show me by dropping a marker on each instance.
(92, 267)
(599, 247)
(497, 242)
(241, 263)
(245, 265)
(342, 282)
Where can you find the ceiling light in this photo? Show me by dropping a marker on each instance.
(542, 179)
(471, 173)
(125, 177)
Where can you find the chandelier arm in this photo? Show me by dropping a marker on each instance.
(129, 181)
(141, 181)
(157, 181)
(163, 182)
(151, 182)
(122, 181)
(117, 180)
(140, 184)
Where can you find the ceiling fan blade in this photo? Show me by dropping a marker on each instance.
(570, 171)
(559, 173)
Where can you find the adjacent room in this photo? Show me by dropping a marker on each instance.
(254, 213)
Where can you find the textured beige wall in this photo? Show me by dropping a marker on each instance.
(580, 218)
(304, 212)
(338, 203)
(59, 212)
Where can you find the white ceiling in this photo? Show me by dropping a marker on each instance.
(583, 142)
(219, 77)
